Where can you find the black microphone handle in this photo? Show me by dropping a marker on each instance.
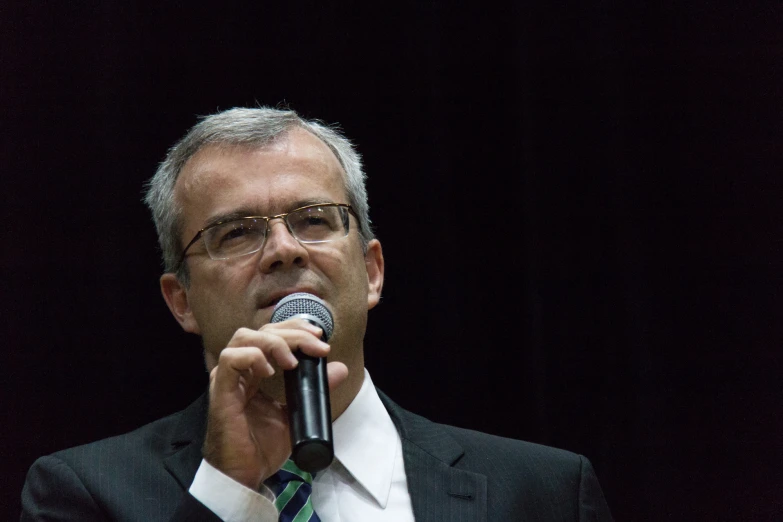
(309, 412)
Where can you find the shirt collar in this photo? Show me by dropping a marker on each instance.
(366, 442)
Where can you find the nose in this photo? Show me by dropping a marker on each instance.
(281, 249)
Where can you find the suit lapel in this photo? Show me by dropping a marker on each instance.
(439, 491)
(183, 456)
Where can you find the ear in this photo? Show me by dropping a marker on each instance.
(176, 296)
(373, 260)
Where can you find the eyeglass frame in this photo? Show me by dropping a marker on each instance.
(267, 219)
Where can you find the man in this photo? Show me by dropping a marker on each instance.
(240, 205)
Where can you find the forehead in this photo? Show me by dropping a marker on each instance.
(264, 180)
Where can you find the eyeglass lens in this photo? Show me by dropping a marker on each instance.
(244, 236)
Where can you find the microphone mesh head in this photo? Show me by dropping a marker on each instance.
(303, 303)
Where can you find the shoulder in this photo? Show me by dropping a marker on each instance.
(432, 434)
(505, 452)
(153, 439)
(494, 452)
(486, 442)
(533, 465)
(100, 480)
(531, 477)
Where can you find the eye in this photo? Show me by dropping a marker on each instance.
(234, 233)
(318, 223)
(314, 223)
(229, 235)
(315, 220)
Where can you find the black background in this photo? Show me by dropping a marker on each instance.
(580, 208)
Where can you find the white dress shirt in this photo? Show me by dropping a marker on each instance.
(366, 480)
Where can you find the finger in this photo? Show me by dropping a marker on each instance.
(240, 368)
(295, 323)
(336, 373)
(279, 344)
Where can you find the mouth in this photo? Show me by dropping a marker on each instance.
(276, 297)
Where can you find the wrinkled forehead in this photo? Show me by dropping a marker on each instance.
(225, 175)
(217, 164)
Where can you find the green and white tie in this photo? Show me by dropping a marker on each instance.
(293, 488)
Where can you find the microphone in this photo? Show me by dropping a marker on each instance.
(307, 388)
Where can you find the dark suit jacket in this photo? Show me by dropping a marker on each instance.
(453, 474)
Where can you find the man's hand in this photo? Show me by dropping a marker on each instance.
(247, 431)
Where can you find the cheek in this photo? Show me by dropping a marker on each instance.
(216, 277)
(220, 294)
(349, 277)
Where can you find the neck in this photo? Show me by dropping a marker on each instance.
(344, 394)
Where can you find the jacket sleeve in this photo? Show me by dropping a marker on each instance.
(191, 509)
(592, 505)
(54, 492)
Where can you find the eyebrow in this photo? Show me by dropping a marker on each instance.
(247, 211)
(229, 216)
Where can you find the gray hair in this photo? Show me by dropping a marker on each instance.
(249, 127)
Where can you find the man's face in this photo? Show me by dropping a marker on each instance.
(227, 294)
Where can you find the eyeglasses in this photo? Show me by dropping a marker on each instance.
(317, 223)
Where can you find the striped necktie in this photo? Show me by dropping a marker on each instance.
(293, 487)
